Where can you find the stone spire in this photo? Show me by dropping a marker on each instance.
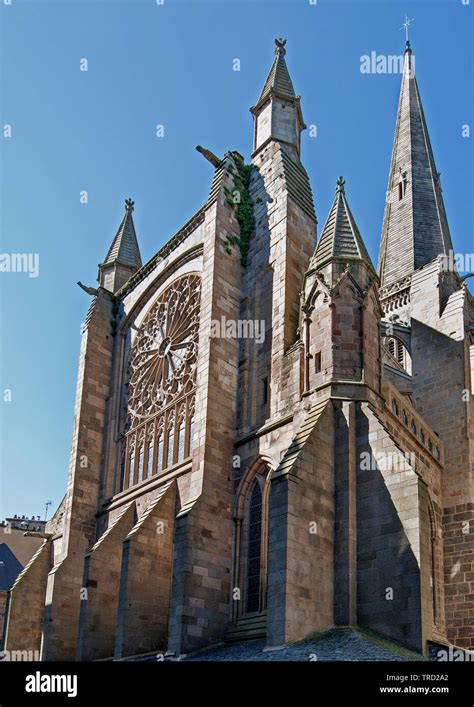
(415, 229)
(277, 113)
(340, 238)
(123, 257)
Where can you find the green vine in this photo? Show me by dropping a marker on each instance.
(241, 201)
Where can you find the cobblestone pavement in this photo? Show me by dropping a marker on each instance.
(341, 644)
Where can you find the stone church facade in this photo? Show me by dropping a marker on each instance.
(224, 485)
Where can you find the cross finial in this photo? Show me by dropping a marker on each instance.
(405, 26)
(280, 46)
(129, 205)
(340, 185)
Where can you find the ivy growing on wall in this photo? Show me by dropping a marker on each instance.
(240, 200)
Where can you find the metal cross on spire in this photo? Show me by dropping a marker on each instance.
(406, 25)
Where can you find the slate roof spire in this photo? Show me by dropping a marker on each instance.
(415, 228)
(278, 80)
(124, 248)
(123, 258)
(340, 237)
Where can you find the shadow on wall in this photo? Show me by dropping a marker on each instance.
(256, 306)
(388, 573)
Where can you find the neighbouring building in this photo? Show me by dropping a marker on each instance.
(16, 550)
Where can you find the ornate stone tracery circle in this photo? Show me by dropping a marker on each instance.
(162, 363)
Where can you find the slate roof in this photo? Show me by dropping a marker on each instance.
(415, 228)
(278, 80)
(340, 237)
(298, 185)
(10, 567)
(124, 248)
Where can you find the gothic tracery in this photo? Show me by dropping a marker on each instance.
(162, 378)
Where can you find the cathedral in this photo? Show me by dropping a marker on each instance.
(271, 436)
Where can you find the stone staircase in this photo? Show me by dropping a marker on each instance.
(248, 627)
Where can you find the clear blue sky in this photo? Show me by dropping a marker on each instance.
(95, 131)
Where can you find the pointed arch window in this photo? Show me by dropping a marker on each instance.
(131, 467)
(250, 571)
(141, 455)
(191, 433)
(149, 463)
(398, 353)
(181, 432)
(159, 454)
(169, 460)
(254, 549)
(122, 466)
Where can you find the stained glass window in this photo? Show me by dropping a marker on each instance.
(191, 432)
(141, 453)
(131, 468)
(181, 441)
(169, 460)
(149, 466)
(254, 549)
(159, 454)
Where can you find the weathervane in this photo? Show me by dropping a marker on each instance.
(406, 25)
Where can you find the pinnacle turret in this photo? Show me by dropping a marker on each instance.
(123, 257)
(340, 238)
(277, 113)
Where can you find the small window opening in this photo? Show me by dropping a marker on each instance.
(402, 186)
(265, 391)
(317, 362)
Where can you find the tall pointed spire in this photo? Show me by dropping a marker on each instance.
(340, 237)
(123, 257)
(277, 113)
(415, 229)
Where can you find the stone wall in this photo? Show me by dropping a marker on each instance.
(200, 601)
(301, 533)
(145, 579)
(79, 524)
(99, 602)
(458, 534)
(442, 391)
(388, 538)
